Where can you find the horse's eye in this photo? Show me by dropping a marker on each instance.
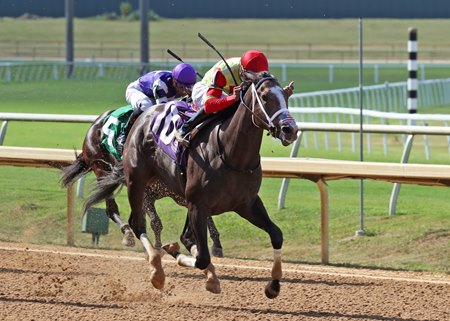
(264, 97)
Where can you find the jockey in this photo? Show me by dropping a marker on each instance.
(217, 91)
(156, 87)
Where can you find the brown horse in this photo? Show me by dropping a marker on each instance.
(223, 174)
(96, 158)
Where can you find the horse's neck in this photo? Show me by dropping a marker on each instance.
(241, 140)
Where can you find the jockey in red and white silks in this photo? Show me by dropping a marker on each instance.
(217, 90)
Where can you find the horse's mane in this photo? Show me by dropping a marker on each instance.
(249, 78)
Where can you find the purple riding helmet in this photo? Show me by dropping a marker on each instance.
(184, 75)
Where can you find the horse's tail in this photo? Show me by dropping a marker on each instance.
(106, 186)
(74, 171)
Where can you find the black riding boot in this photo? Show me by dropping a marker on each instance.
(123, 136)
(182, 133)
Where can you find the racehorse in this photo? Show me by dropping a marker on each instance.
(96, 158)
(223, 174)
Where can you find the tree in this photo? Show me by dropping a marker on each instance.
(125, 9)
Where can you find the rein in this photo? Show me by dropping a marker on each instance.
(268, 122)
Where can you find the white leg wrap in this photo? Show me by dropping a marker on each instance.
(146, 242)
(117, 218)
(277, 255)
(276, 268)
(184, 260)
(194, 250)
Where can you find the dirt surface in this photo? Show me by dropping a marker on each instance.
(61, 283)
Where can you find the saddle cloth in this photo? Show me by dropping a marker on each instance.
(164, 125)
(113, 126)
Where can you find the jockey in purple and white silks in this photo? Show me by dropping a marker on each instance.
(157, 87)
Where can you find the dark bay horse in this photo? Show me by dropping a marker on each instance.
(223, 174)
(96, 158)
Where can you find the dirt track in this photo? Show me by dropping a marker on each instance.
(58, 283)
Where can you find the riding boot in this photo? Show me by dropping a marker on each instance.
(182, 133)
(123, 136)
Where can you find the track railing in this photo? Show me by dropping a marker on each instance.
(316, 170)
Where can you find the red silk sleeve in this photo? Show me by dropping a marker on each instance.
(214, 103)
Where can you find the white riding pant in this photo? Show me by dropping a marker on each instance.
(136, 98)
(199, 94)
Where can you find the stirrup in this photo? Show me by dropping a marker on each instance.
(183, 140)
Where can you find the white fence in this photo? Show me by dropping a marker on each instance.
(339, 115)
(390, 97)
(327, 72)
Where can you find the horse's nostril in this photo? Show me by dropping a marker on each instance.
(286, 129)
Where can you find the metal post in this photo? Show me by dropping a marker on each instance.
(361, 231)
(396, 188)
(145, 39)
(3, 131)
(69, 8)
(285, 181)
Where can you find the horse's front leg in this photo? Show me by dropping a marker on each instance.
(137, 222)
(257, 215)
(112, 210)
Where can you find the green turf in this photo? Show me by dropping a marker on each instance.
(384, 39)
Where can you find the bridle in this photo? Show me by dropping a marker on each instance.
(256, 101)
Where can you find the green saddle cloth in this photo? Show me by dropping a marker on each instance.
(113, 126)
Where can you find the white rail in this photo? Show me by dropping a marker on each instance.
(411, 131)
(333, 115)
(317, 170)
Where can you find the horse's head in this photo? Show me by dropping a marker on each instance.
(268, 103)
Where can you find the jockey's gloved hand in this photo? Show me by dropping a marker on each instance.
(237, 93)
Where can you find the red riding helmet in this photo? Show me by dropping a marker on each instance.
(254, 60)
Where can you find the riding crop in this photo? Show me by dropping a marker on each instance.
(170, 52)
(217, 51)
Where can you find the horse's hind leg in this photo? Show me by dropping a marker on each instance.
(136, 187)
(188, 240)
(112, 211)
(257, 215)
(155, 221)
(216, 249)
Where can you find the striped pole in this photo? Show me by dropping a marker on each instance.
(412, 71)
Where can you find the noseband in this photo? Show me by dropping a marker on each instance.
(256, 101)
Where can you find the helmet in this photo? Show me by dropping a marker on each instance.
(254, 60)
(184, 75)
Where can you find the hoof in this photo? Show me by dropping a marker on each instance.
(158, 276)
(213, 286)
(173, 249)
(128, 239)
(212, 283)
(272, 289)
(158, 279)
(216, 251)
